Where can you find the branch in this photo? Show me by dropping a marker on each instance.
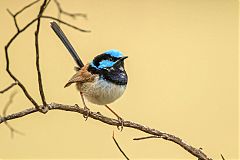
(20, 11)
(147, 137)
(9, 87)
(12, 130)
(6, 52)
(222, 157)
(72, 15)
(40, 86)
(19, 31)
(119, 147)
(27, 6)
(65, 23)
(97, 116)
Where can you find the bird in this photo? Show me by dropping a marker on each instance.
(102, 81)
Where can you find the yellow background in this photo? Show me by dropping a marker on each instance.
(182, 68)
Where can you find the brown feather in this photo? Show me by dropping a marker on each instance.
(81, 76)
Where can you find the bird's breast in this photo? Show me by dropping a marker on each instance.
(101, 91)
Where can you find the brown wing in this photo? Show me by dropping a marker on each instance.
(81, 76)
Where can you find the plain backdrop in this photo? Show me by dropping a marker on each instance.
(183, 78)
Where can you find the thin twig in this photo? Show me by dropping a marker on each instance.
(9, 87)
(40, 86)
(147, 137)
(95, 115)
(14, 19)
(72, 15)
(222, 157)
(27, 6)
(65, 23)
(119, 147)
(12, 130)
(20, 11)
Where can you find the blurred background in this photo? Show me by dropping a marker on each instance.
(183, 78)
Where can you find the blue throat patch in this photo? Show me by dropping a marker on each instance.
(114, 53)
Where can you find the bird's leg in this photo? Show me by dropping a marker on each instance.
(120, 119)
(85, 107)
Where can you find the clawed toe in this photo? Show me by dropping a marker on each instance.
(120, 127)
(86, 115)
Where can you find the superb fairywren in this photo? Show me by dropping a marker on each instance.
(101, 81)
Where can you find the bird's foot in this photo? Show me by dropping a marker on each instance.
(87, 112)
(120, 127)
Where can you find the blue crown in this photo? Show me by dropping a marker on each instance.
(114, 53)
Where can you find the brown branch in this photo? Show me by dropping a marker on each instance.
(12, 130)
(9, 87)
(14, 18)
(97, 116)
(29, 97)
(27, 6)
(119, 147)
(20, 11)
(40, 86)
(222, 157)
(147, 137)
(65, 23)
(72, 15)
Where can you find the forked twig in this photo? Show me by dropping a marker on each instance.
(20, 11)
(19, 83)
(72, 15)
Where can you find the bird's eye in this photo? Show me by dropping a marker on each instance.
(110, 59)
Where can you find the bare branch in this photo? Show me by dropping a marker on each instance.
(72, 15)
(147, 137)
(65, 23)
(14, 18)
(97, 116)
(12, 130)
(40, 86)
(222, 157)
(20, 11)
(9, 87)
(119, 147)
(29, 97)
(14, 37)
(27, 6)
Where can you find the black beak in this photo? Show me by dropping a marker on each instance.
(119, 61)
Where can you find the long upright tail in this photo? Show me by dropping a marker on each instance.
(67, 44)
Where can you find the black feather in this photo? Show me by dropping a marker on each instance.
(67, 44)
